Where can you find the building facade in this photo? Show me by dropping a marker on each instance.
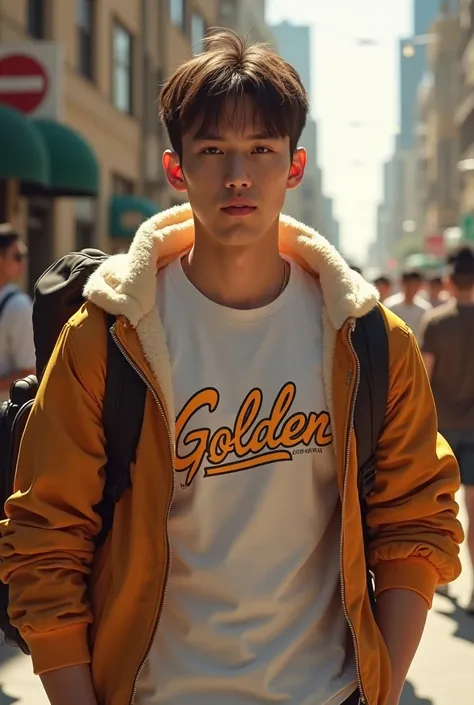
(439, 133)
(97, 170)
(465, 116)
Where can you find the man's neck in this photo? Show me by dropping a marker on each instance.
(409, 300)
(244, 278)
(4, 282)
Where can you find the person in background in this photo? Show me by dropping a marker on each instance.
(17, 350)
(447, 343)
(408, 304)
(436, 291)
(384, 286)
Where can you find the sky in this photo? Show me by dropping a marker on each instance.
(353, 84)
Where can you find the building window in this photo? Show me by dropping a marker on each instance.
(122, 69)
(85, 37)
(35, 18)
(177, 13)
(122, 186)
(198, 32)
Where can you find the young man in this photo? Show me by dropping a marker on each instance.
(234, 572)
(408, 304)
(17, 350)
(448, 349)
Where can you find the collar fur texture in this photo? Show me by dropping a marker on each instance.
(126, 284)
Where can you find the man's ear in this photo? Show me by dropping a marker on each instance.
(173, 171)
(297, 168)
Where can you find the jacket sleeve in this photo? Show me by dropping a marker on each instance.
(412, 514)
(47, 540)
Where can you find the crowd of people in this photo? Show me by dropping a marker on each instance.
(440, 312)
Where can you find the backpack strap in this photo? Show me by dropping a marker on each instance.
(6, 299)
(124, 407)
(370, 341)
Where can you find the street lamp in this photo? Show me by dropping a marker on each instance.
(409, 49)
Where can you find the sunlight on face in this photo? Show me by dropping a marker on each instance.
(236, 175)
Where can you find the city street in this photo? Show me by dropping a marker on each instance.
(442, 673)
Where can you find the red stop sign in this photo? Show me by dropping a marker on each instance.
(23, 82)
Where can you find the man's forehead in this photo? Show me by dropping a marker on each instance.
(236, 118)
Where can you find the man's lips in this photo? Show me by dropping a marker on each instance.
(237, 208)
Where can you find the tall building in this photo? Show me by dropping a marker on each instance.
(294, 42)
(438, 102)
(247, 18)
(413, 64)
(424, 12)
(305, 203)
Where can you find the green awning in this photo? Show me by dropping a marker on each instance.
(23, 153)
(421, 260)
(127, 213)
(74, 169)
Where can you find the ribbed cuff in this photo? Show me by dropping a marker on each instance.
(415, 574)
(59, 648)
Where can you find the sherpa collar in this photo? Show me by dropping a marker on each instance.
(126, 284)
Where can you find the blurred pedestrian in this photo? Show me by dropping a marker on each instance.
(383, 284)
(408, 304)
(448, 349)
(17, 350)
(436, 291)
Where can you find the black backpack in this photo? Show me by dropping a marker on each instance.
(58, 295)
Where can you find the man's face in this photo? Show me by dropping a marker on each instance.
(12, 262)
(236, 176)
(411, 287)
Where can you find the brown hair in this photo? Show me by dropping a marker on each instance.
(461, 268)
(197, 91)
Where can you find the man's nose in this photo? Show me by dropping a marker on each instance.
(237, 175)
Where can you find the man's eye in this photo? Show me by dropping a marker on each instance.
(262, 150)
(211, 150)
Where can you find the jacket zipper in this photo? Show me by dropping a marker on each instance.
(168, 564)
(362, 698)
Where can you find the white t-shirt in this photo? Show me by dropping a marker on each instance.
(17, 349)
(411, 314)
(253, 611)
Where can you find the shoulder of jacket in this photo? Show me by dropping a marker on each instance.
(400, 337)
(396, 328)
(88, 328)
